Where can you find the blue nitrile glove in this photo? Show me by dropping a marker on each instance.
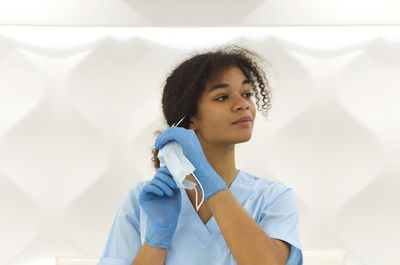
(161, 200)
(209, 179)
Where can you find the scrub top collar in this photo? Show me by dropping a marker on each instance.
(206, 233)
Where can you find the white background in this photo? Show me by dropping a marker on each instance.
(78, 106)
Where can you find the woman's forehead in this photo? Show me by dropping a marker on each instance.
(219, 79)
(219, 75)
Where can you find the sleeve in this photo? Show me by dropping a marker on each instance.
(280, 220)
(123, 242)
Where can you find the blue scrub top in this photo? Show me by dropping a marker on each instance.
(271, 204)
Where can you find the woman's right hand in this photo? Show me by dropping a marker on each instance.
(161, 200)
(192, 149)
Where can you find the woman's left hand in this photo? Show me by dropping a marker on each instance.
(192, 149)
(161, 200)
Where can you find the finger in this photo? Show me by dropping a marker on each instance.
(160, 136)
(164, 170)
(166, 136)
(162, 186)
(178, 134)
(167, 178)
(150, 188)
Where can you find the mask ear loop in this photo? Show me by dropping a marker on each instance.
(202, 200)
(197, 206)
(178, 122)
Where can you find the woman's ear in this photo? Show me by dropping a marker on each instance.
(192, 125)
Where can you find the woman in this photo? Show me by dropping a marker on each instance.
(245, 219)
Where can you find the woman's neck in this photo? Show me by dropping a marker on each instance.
(222, 159)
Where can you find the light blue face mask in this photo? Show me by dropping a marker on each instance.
(171, 155)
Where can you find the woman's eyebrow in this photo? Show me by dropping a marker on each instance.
(223, 85)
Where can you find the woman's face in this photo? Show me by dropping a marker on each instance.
(223, 102)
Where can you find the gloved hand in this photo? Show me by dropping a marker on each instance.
(209, 179)
(161, 200)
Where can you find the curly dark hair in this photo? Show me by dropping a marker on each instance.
(186, 83)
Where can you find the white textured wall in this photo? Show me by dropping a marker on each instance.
(184, 13)
(76, 125)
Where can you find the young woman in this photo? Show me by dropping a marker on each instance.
(245, 219)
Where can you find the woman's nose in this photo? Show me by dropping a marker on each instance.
(242, 104)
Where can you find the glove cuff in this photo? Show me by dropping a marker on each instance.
(159, 237)
(213, 184)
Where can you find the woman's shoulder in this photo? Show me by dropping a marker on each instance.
(130, 200)
(261, 185)
(136, 189)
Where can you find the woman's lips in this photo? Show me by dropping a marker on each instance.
(242, 123)
(243, 119)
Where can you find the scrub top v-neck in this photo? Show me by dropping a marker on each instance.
(271, 204)
(209, 230)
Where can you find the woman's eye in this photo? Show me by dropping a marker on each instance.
(248, 95)
(217, 99)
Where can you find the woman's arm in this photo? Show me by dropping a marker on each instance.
(150, 255)
(247, 241)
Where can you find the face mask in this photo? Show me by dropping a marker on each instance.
(171, 155)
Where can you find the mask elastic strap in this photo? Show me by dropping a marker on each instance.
(198, 207)
(173, 125)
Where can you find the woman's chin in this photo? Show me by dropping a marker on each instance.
(243, 138)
